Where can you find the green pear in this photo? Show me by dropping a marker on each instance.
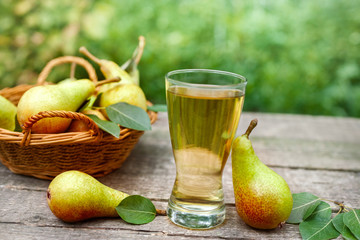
(7, 114)
(76, 196)
(109, 68)
(81, 126)
(263, 198)
(67, 95)
(129, 93)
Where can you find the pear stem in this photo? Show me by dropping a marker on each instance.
(160, 212)
(86, 52)
(252, 125)
(140, 49)
(110, 80)
(72, 70)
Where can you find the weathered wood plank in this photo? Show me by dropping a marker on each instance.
(285, 140)
(308, 127)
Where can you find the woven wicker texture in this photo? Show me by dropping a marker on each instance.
(47, 155)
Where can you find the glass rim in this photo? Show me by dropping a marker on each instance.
(220, 72)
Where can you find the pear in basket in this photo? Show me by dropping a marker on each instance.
(128, 72)
(7, 114)
(67, 95)
(129, 93)
(81, 126)
(110, 70)
(127, 89)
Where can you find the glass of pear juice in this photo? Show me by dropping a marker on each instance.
(204, 108)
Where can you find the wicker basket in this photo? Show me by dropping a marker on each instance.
(46, 155)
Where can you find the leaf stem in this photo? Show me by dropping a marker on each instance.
(342, 206)
(340, 210)
(348, 208)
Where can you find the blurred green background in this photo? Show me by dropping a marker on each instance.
(298, 56)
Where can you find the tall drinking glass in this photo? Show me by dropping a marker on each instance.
(204, 108)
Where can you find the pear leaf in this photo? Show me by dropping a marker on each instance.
(158, 108)
(107, 126)
(304, 205)
(317, 229)
(323, 210)
(339, 224)
(136, 209)
(352, 221)
(129, 116)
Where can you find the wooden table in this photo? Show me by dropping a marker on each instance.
(320, 155)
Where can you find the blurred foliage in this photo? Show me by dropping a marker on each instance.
(298, 56)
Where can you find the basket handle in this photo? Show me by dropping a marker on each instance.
(94, 129)
(67, 59)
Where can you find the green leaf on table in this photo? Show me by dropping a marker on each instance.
(136, 209)
(323, 210)
(339, 224)
(107, 126)
(129, 116)
(318, 229)
(158, 108)
(304, 205)
(352, 221)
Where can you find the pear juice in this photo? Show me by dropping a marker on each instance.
(202, 125)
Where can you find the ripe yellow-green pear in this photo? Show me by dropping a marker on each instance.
(81, 126)
(263, 198)
(76, 196)
(7, 114)
(68, 96)
(129, 93)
